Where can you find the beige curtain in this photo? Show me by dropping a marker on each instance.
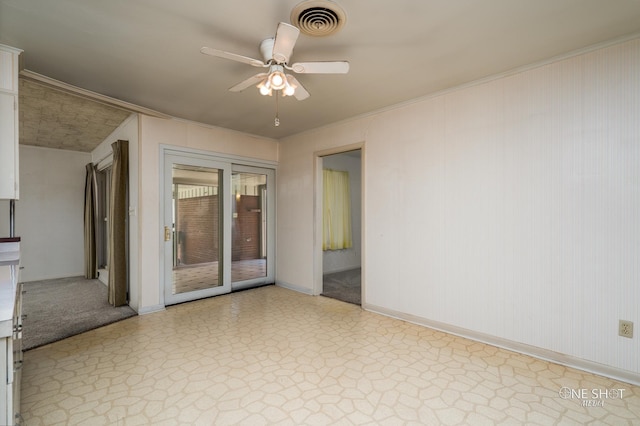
(118, 276)
(336, 210)
(90, 207)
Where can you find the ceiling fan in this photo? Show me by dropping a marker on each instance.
(276, 53)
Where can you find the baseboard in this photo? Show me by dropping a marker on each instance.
(47, 278)
(293, 287)
(540, 353)
(150, 309)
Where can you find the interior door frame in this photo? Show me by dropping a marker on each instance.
(232, 160)
(317, 216)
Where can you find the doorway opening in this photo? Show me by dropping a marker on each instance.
(341, 226)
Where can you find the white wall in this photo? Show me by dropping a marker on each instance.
(343, 260)
(50, 213)
(527, 216)
(177, 133)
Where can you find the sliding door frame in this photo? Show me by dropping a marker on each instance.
(233, 162)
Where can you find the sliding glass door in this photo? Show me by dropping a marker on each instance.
(218, 226)
(194, 229)
(251, 228)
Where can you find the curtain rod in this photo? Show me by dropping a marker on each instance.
(104, 157)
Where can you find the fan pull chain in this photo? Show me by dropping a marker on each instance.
(276, 122)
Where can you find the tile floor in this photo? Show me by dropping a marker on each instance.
(274, 356)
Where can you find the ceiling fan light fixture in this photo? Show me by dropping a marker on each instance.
(277, 80)
(265, 88)
(289, 90)
(276, 52)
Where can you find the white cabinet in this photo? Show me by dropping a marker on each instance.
(10, 332)
(9, 166)
(11, 359)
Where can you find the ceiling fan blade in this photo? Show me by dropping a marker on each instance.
(339, 67)
(251, 81)
(285, 40)
(300, 93)
(238, 58)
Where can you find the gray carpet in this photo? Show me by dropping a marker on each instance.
(343, 285)
(60, 308)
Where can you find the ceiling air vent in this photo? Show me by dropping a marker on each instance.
(318, 18)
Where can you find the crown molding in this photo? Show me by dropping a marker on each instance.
(87, 94)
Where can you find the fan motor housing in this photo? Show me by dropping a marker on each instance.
(318, 18)
(266, 49)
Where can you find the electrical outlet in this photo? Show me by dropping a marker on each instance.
(625, 328)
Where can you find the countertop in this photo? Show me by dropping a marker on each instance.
(10, 240)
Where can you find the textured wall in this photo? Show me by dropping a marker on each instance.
(508, 208)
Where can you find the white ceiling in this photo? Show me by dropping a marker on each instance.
(147, 52)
